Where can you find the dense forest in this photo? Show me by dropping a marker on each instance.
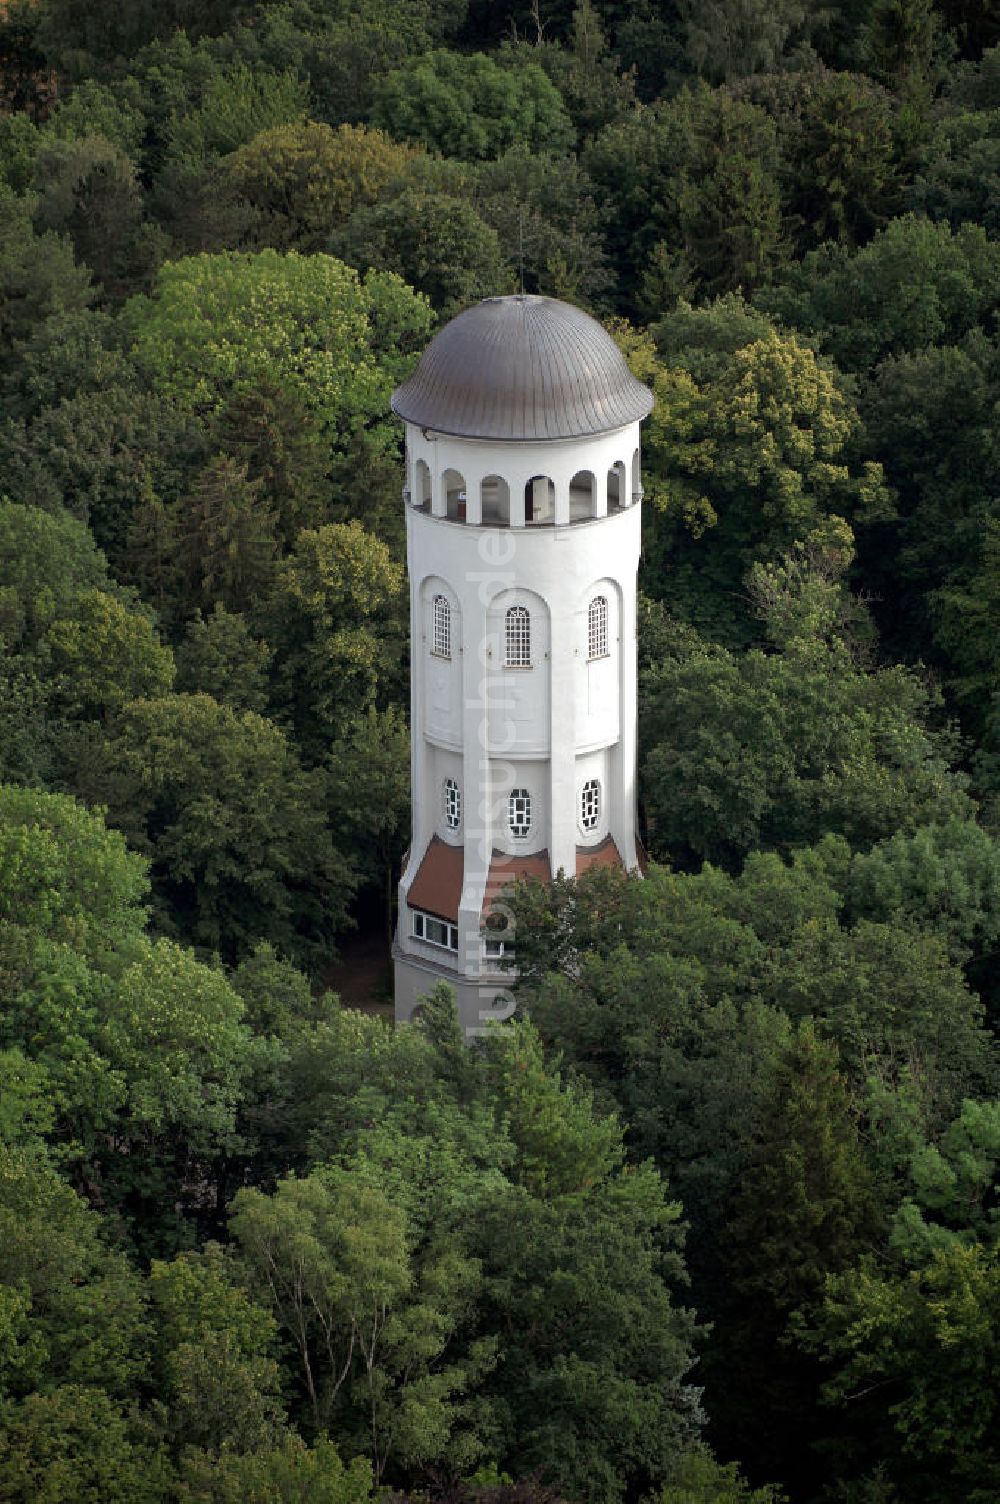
(714, 1221)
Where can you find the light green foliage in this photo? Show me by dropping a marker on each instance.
(332, 619)
(144, 1049)
(699, 1479)
(472, 106)
(306, 180)
(439, 245)
(215, 1353)
(290, 1474)
(951, 1187)
(278, 998)
(216, 325)
(74, 1446)
(931, 1333)
(26, 1109)
(235, 107)
(96, 109)
(45, 560)
(944, 878)
(563, 1147)
(346, 1069)
(234, 826)
(82, 1306)
(174, 1031)
(329, 1257)
(750, 449)
(105, 655)
(64, 877)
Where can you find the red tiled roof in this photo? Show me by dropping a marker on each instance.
(604, 855)
(506, 869)
(437, 887)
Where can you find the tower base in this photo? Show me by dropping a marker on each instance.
(482, 1001)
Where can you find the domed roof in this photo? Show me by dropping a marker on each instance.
(522, 368)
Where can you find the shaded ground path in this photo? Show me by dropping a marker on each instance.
(362, 977)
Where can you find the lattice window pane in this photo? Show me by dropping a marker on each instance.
(442, 627)
(590, 804)
(452, 804)
(518, 633)
(597, 628)
(519, 813)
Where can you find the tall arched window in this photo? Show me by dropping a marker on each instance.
(452, 804)
(519, 813)
(441, 639)
(597, 627)
(518, 637)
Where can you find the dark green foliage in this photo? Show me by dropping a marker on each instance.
(88, 190)
(695, 198)
(958, 178)
(38, 276)
(439, 245)
(234, 827)
(776, 748)
(257, 1246)
(916, 284)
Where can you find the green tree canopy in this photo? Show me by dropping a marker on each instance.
(438, 244)
(472, 106)
(306, 180)
(916, 283)
(234, 827)
(215, 325)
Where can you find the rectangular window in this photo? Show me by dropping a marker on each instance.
(597, 628)
(442, 628)
(518, 637)
(435, 931)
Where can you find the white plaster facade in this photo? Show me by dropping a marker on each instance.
(493, 525)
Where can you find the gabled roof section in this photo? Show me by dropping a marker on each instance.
(506, 869)
(604, 855)
(437, 887)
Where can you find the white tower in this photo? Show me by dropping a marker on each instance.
(522, 535)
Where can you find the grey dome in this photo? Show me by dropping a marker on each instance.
(522, 368)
